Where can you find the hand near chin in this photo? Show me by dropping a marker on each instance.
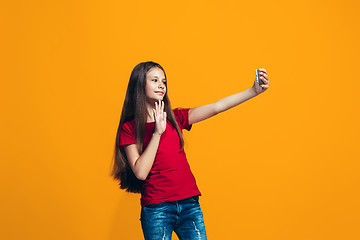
(160, 117)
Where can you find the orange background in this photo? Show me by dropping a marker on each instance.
(284, 165)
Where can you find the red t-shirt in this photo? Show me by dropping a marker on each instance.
(170, 177)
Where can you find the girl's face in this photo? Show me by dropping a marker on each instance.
(155, 85)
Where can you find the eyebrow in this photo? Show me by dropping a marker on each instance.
(158, 77)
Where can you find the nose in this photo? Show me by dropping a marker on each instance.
(162, 85)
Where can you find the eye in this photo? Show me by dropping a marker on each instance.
(154, 80)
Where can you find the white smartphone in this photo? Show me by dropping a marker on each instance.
(258, 80)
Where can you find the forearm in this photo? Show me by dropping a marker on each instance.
(234, 100)
(145, 161)
(206, 111)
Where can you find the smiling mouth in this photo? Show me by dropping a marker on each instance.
(159, 93)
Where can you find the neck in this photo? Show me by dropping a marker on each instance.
(150, 112)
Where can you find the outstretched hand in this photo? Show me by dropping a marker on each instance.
(264, 77)
(160, 117)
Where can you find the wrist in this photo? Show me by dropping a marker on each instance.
(253, 91)
(155, 134)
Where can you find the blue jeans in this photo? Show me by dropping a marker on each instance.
(185, 217)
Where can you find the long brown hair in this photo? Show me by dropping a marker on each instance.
(134, 108)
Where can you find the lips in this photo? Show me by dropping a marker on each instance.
(159, 92)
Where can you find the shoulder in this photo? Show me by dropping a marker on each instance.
(128, 126)
(127, 133)
(182, 117)
(178, 112)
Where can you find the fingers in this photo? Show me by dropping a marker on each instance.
(265, 86)
(262, 70)
(265, 79)
(263, 76)
(159, 110)
(156, 110)
(162, 106)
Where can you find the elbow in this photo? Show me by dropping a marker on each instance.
(140, 169)
(141, 176)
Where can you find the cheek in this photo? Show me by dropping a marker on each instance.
(149, 89)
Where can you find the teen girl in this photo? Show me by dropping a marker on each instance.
(150, 157)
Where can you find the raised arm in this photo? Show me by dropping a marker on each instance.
(141, 163)
(206, 111)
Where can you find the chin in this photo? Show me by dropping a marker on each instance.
(156, 99)
(160, 98)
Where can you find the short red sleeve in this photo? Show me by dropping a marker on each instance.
(127, 133)
(182, 117)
